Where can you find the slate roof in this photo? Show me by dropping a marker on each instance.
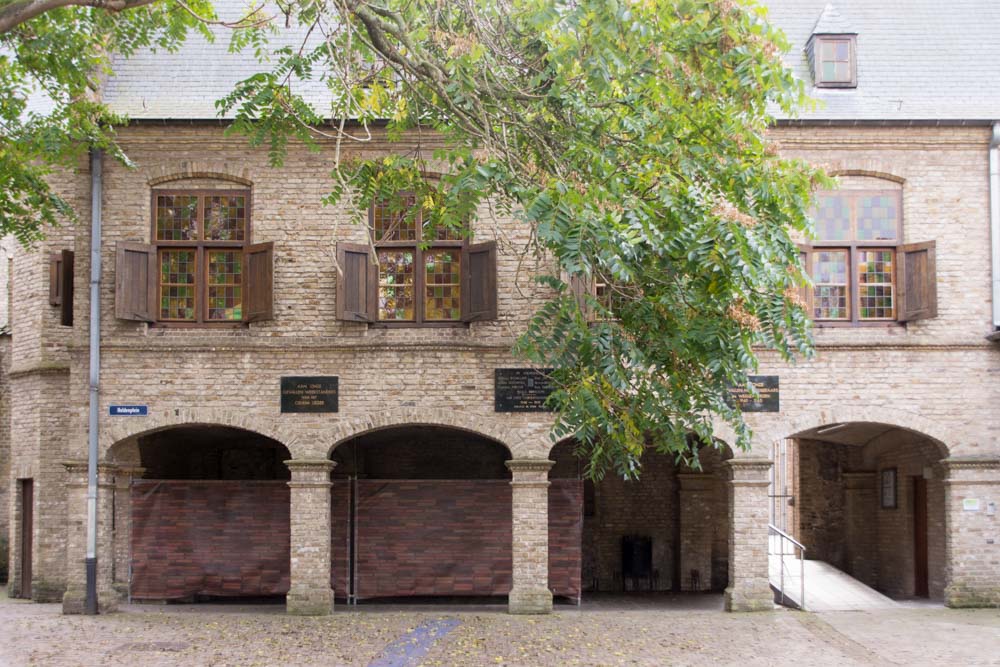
(918, 60)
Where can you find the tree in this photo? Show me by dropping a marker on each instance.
(630, 136)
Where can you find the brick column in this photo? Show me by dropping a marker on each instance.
(123, 523)
(76, 545)
(697, 525)
(972, 541)
(311, 593)
(860, 507)
(530, 593)
(749, 588)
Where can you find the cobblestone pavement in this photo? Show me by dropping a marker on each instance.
(601, 634)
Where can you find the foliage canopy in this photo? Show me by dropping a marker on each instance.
(629, 136)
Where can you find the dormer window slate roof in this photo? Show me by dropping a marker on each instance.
(832, 51)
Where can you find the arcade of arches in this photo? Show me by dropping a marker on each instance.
(202, 511)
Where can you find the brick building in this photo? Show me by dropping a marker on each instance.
(245, 469)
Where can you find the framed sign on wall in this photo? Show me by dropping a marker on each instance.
(888, 489)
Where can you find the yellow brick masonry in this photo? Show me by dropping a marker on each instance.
(937, 377)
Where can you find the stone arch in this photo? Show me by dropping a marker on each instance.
(237, 173)
(945, 437)
(130, 428)
(522, 441)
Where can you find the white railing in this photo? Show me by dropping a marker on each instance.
(779, 545)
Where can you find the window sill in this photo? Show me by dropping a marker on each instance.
(199, 325)
(885, 324)
(418, 325)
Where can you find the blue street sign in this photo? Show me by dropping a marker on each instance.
(128, 410)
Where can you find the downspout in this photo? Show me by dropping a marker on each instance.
(995, 225)
(96, 164)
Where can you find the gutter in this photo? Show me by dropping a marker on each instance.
(995, 228)
(96, 211)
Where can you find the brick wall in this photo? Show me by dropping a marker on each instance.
(447, 537)
(209, 538)
(856, 534)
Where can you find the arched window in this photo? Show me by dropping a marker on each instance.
(862, 272)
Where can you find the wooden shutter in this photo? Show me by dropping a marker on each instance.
(66, 287)
(258, 267)
(805, 292)
(479, 294)
(135, 282)
(357, 283)
(55, 278)
(916, 282)
(582, 287)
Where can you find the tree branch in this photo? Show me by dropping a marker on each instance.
(20, 11)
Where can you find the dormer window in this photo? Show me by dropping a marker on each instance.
(832, 51)
(835, 62)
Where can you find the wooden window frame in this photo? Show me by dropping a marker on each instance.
(202, 246)
(887, 476)
(419, 277)
(852, 59)
(851, 246)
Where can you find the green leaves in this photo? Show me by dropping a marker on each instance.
(55, 61)
(631, 138)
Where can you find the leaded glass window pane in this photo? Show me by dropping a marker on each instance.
(390, 225)
(878, 218)
(225, 218)
(176, 218)
(830, 280)
(833, 218)
(177, 288)
(442, 285)
(395, 285)
(225, 285)
(876, 278)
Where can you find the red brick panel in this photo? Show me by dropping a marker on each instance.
(340, 527)
(433, 537)
(218, 538)
(565, 536)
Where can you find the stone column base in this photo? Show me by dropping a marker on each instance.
(75, 601)
(309, 602)
(529, 601)
(758, 598)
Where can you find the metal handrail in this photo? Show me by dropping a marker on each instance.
(775, 529)
(772, 529)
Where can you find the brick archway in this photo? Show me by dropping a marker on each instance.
(522, 441)
(130, 428)
(199, 169)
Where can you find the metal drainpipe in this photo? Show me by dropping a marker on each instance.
(995, 220)
(96, 163)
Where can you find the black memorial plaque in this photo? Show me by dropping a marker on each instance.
(767, 390)
(310, 394)
(521, 389)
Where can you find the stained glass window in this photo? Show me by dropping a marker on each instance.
(225, 218)
(854, 274)
(177, 285)
(395, 285)
(225, 285)
(390, 225)
(876, 279)
(420, 269)
(831, 289)
(833, 218)
(176, 218)
(443, 285)
(201, 237)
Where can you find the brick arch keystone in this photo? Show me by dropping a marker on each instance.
(522, 441)
(129, 427)
(237, 173)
